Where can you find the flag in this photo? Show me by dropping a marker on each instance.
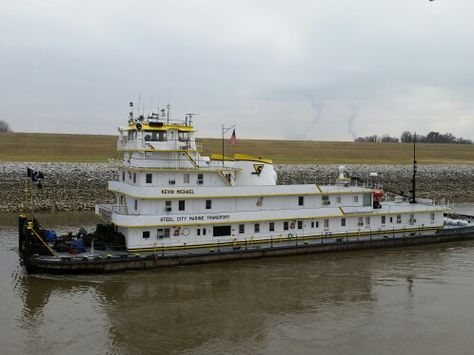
(36, 176)
(233, 138)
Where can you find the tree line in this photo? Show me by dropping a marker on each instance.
(407, 137)
(4, 127)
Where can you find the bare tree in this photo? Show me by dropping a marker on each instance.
(4, 127)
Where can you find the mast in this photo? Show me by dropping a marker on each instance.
(413, 180)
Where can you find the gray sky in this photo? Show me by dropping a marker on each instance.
(277, 69)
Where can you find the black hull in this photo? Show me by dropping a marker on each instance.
(133, 262)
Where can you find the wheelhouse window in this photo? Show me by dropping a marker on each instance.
(181, 205)
(149, 178)
(208, 204)
(301, 201)
(221, 231)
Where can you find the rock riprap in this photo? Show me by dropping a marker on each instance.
(79, 186)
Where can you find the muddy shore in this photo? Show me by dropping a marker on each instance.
(79, 186)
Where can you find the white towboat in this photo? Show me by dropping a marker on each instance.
(175, 206)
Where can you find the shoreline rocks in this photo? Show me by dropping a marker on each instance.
(79, 186)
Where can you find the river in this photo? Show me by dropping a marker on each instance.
(417, 300)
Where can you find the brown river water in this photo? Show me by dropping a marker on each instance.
(417, 300)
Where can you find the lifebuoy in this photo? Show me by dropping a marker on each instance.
(185, 232)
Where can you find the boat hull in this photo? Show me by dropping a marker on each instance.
(131, 261)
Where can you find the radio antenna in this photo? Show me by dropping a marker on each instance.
(168, 107)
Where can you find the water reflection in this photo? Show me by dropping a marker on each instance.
(297, 304)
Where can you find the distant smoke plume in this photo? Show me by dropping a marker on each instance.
(317, 107)
(351, 120)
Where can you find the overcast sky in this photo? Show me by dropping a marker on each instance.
(319, 70)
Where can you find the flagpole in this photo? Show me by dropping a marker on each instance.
(224, 131)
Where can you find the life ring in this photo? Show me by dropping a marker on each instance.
(185, 232)
(177, 232)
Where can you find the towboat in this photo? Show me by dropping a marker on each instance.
(175, 206)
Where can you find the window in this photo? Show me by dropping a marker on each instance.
(360, 221)
(367, 221)
(134, 178)
(383, 219)
(208, 204)
(312, 224)
(325, 200)
(432, 217)
(300, 224)
(399, 218)
(257, 227)
(271, 226)
(338, 199)
(391, 219)
(285, 226)
(186, 178)
(181, 205)
(301, 201)
(241, 228)
(221, 231)
(326, 223)
(136, 204)
(200, 180)
(146, 234)
(163, 233)
(171, 181)
(343, 222)
(199, 231)
(356, 198)
(204, 231)
(367, 199)
(412, 218)
(317, 224)
(149, 178)
(168, 206)
(123, 175)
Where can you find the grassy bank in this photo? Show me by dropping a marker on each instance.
(95, 148)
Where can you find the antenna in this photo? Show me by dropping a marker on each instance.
(413, 180)
(168, 107)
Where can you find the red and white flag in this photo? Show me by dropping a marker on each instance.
(233, 138)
